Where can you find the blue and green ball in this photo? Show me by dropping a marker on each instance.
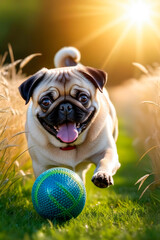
(58, 194)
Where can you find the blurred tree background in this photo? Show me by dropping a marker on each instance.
(90, 25)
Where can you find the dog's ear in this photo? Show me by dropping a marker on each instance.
(96, 76)
(27, 87)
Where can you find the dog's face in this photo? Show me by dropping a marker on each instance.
(64, 101)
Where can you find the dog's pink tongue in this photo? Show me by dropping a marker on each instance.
(67, 132)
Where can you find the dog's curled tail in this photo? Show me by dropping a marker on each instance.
(67, 56)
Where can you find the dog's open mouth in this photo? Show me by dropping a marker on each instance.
(67, 132)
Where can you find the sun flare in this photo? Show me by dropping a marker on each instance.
(130, 22)
(139, 12)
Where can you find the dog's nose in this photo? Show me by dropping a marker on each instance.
(65, 108)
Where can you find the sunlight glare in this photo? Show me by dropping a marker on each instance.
(139, 12)
(136, 19)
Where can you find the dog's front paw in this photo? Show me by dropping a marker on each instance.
(102, 179)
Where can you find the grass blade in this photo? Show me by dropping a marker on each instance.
(28, 59)
(12, 65)
(140, 67)
(151, 102)
(13, 70)
(150, 149)
(17, 134)
(156, 181)
(141, 180)
(4, 58)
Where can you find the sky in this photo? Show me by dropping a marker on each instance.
(110, 34)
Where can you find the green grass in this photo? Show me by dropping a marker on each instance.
(113, 213)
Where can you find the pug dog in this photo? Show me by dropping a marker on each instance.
(71, 121)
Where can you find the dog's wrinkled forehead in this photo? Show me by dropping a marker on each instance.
(63, 76)
(63, 79)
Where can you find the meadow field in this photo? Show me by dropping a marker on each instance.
(112, 213)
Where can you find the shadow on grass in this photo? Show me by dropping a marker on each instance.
(20, 220)
(19, 217)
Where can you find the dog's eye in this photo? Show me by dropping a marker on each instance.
(45, 102)
(83, 98)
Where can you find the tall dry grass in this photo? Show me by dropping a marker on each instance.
(14, 157)
(138, 101)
